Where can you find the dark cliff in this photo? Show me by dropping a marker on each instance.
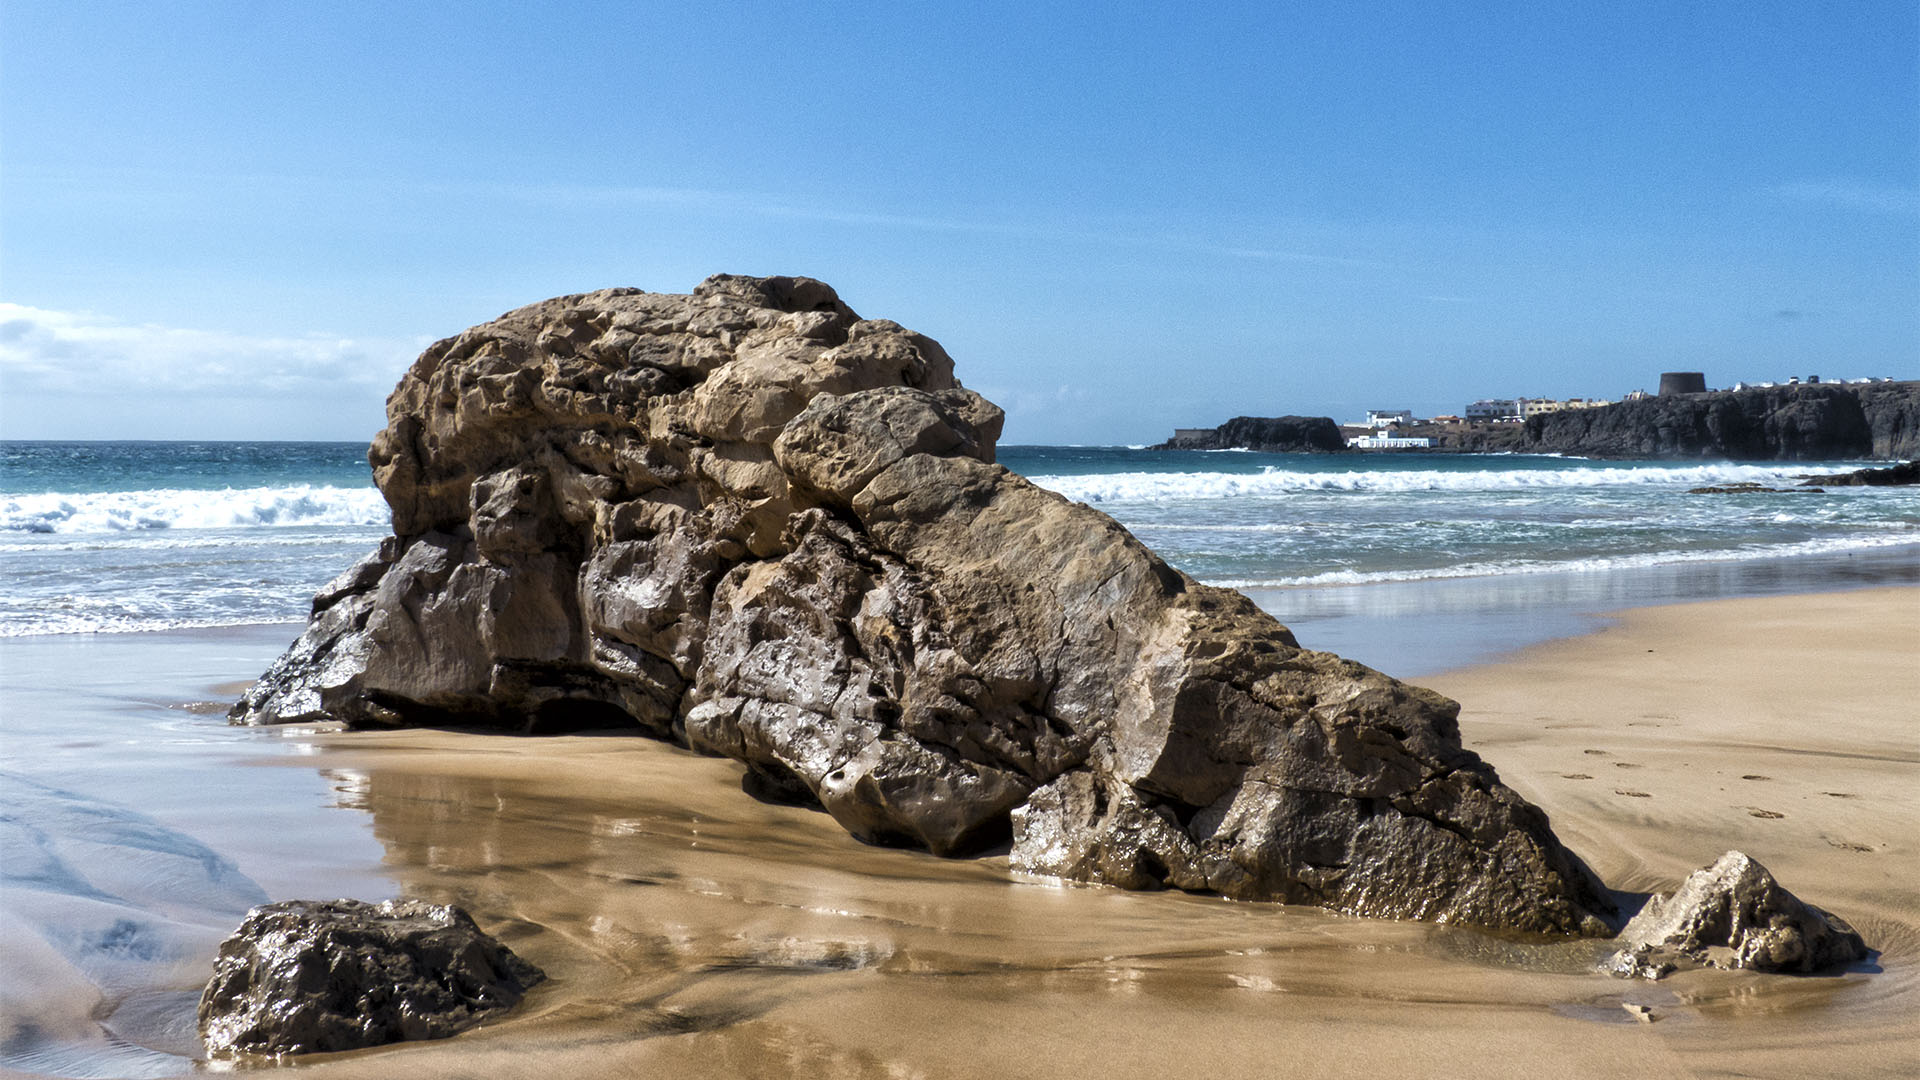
(1271, 434)
(1780, 423)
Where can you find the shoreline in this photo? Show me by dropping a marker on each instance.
(692, 930)
(1414, 627)
(1816, 683)
(881, 962)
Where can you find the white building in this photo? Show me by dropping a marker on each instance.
(1494, 409)
(1385, 418)
(1387, 442)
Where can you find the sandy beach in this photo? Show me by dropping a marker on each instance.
(816, 529)
(689, 930)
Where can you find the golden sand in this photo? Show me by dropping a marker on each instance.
(690, 931)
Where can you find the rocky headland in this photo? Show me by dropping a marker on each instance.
(751, 522)
(1269, 434)
(1816, 422)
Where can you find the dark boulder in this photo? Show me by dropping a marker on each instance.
(311, 976)
(1901, 475)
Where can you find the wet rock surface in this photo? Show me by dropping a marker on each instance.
(310, 976)
(1754, 489)
(1732, 914)
(754, 523)
(1904, 474)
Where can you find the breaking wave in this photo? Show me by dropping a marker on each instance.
(177, 508)
(1148, 487)
(1833, 546)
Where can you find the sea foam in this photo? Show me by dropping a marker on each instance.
(185, 508)
(1146, 487)
(1600, 564)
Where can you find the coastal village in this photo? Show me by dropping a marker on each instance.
(1399, 429)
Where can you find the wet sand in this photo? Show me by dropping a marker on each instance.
(691, 931)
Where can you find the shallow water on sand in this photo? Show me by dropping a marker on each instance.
(134, 834)
(691, 931)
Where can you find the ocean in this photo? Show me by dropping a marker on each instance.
(131, 536)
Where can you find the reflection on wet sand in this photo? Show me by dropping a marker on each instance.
(693, 931)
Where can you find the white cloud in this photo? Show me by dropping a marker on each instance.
(60, 353)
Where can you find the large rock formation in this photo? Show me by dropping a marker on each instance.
(750, 521)
(1819, 422)
(313, 976)
(1733, 915)
(1269, 434)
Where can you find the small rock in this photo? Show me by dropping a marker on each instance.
(1732, 915)
(1749, 488)
(313, 976)
(1639, 1012)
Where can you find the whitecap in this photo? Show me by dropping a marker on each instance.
(186, 508)
(1149, 487)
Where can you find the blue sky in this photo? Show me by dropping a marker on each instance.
(242, 220)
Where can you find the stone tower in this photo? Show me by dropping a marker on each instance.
(1682, 382)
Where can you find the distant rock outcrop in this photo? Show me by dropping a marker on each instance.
(312, 976)
(1733, 915)
(754, 523)
(1817, 422)
(1269, 434)
(1904, 474)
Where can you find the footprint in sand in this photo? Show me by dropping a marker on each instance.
(1841, 794)
(1575, 776)
(1848, 845)
(1754, 811)
(1755, 776)
(1632, 794)
(1602, 753)
(1626, 764)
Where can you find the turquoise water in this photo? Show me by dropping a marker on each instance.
(95, 467)
(1274, 520)
(102, 537)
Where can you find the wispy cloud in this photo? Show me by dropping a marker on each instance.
(770, 206)
(1315, 243)
(82, 353)
(1854, 194)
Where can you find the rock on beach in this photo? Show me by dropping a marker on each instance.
(1734, 915)
(755, 523)
(310, 976)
